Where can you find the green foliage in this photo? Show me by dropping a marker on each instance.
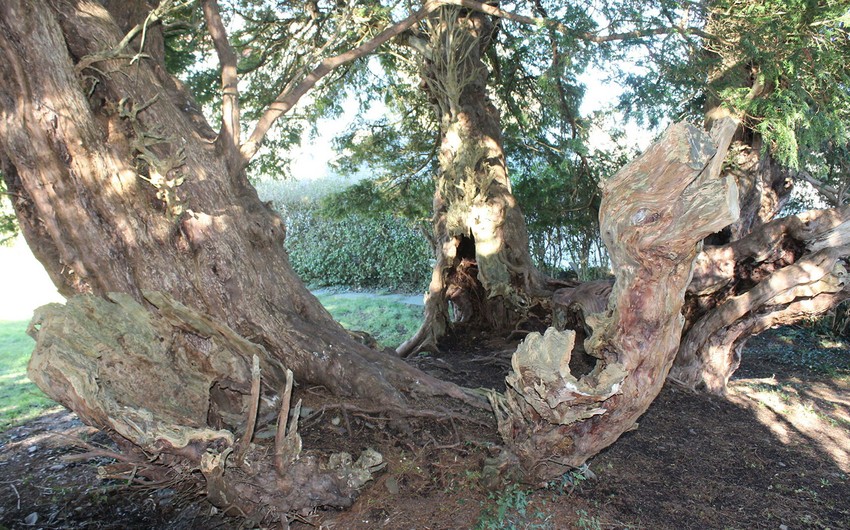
(797, 56)
(378, 251)
(20, 400)
(8, 221)
(408, 199)
(183, 40)
(357, 251)
(561, 205)
(587, 522)
(570, 481)
(508, 509)
(784, 65)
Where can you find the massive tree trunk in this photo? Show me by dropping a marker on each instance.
(483, 266)
(654, 214)
(120, 187)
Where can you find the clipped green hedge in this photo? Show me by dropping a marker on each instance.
(377, 252)
(356, 251)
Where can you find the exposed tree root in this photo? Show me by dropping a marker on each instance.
(159, 380)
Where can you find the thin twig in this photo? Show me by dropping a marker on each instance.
(347, 424)
(282, 420)
(18, 495)
(245, 441)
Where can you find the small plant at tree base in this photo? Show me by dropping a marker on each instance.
(587, 522)
(508, 510)
(569, 481)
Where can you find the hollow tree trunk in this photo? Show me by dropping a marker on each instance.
(120, 187)
(783, 271)
(483, 266)
(655, 212)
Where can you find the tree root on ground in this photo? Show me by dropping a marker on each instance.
(178, 390)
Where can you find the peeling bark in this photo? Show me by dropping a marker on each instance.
(655, 212)
(148, 377)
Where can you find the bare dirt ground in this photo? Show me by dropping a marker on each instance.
(774, 453)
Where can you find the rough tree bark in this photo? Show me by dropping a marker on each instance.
(758, 272)
(764, 185)
(782, 272)
(121, 187)
(655, 212)
(755, 274)
(483, 266)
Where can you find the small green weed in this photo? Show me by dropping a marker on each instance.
(509, 510)
(20, 400)
(571, 480)
(587, 522)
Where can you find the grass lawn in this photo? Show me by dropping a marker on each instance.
(20, 399)
(388, 321)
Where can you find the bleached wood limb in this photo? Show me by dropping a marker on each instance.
(655, 211)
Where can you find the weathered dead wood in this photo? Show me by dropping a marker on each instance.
(572, 305)
(245, 441)
(149, 378)
(785, 270)
(287, 446)
(655, 211)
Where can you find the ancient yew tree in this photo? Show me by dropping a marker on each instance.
(483, 267)
(186, 330)
(120, 186)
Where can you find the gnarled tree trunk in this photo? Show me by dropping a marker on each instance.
(655, 212)
(483, 266)
(783, 271)
(758, 272)
(755, 274)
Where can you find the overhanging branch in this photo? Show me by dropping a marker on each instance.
(587, 36)
(294, 91)
(287, 99)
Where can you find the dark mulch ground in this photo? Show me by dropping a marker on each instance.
(774, 453)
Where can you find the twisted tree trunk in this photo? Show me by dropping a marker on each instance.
(786, 270)
(483, 266)
(655, 212)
